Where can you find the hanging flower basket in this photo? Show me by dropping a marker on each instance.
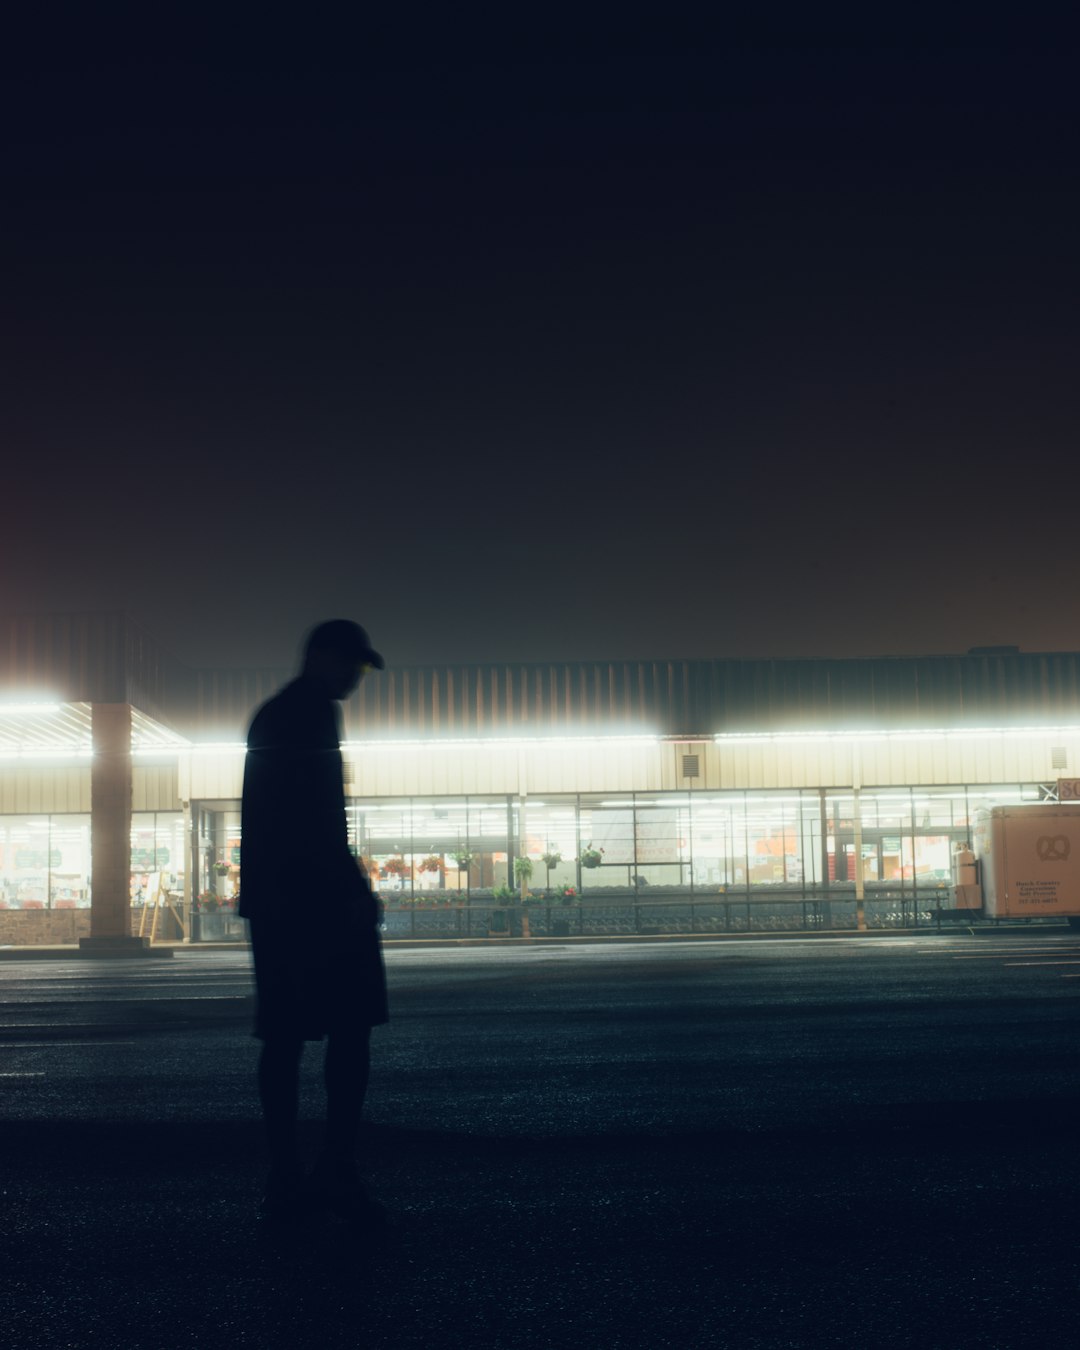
(591, 857)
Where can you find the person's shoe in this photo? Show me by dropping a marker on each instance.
(287, 1197)
(337, 1186)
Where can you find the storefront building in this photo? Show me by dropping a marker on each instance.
(678, 796)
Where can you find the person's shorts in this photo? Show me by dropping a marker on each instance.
(306, 988)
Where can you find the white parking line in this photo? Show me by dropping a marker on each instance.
(1041, 963)
(994, 956)
(83, 1040)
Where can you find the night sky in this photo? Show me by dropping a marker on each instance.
(544, 344)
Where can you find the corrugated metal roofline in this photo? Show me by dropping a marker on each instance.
(110, 658)
(687, 697)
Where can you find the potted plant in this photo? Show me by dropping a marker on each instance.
(463, 860)
(590, 856)
(222, 869)
(523, 870)
(552, 858)
(499, 922)
(566, 895)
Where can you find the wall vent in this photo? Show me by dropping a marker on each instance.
(1059, 757)
(691, 766)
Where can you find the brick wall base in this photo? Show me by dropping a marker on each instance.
(52, 927)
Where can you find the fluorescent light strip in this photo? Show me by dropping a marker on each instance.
(482, 742)
(934, 733)
(502, 742)
(48, 752)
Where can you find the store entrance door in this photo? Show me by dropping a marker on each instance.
(882, 857)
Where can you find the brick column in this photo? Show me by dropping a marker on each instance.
(110, 834)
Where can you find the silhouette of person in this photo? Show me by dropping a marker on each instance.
(313, 923)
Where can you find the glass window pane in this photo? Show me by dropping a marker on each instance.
(219, 856)
(774, 840)
(69, 874)
(142, 856)
(170, 840)
(939, 806)
(810, 838)
(930, 860)
(662, 829)
(757, 839)
(607, 842)
(718, 834)
(24, 841)
(550, 840)
(384, 830)
(489, 842)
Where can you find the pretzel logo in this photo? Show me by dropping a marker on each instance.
(1052, 847)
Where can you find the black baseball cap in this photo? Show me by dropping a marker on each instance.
(345, 637)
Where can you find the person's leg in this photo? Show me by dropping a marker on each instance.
(337, 1178)
(279, 1093)
(346, 1071)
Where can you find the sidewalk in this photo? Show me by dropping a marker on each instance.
(985, 929)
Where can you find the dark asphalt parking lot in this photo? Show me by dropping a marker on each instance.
(860, 1142)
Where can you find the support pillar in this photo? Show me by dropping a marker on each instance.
(110, 835)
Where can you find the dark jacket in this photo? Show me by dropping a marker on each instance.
(294, 847)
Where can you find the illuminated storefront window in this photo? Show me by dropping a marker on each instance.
(45, 862)
(217, 834)
(620, 845)
(551, 843)
(606, 832)
(447, 847)
(662, 843)
(157, 856)
(69, 862)
(907, 834)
